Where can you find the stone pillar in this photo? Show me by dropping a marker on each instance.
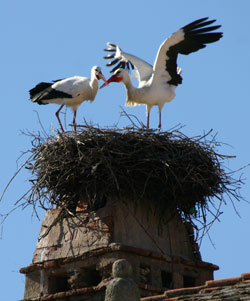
(122, 287)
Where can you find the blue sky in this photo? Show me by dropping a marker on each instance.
(47, 40)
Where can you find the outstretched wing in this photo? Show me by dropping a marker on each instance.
(126, 61)
(189, 38)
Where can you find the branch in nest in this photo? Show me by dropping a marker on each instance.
(166, 169)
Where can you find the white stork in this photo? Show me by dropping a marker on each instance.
(157, 83)
(70, 91)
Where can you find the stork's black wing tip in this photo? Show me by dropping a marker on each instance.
(198, 23)
(110, 49)
(108, 57)
(111, 45)
(121, 62)
(111, 63)
(198, 33)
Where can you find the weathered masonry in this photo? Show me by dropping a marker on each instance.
(76, 256)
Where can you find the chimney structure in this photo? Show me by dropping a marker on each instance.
(78, 245)
(75, 258)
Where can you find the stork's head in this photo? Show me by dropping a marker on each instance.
(97, 73)
(119, 75)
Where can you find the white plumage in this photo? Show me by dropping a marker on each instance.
(71, 92)
(157, 83)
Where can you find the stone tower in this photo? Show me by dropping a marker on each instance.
(76, 256)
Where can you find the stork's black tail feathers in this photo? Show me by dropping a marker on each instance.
(43, 93)
(38, 91)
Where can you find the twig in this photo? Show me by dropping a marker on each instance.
(13, 177)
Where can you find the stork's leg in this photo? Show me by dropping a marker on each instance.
(148, 114)
(148, 120)
(74, 120)
(160, 106)
(57, 116)
(159, 126)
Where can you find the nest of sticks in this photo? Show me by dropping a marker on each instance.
(167, 170)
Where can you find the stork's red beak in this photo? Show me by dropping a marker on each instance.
(101, 76)
(113, 78)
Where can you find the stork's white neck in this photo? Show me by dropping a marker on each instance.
(94, 87)
(130, 89)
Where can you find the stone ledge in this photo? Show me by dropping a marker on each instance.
(113, 248)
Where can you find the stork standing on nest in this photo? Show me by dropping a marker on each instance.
(70, 91)
(157, 83)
